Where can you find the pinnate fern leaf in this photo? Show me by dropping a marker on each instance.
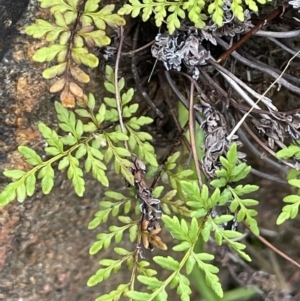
(74, 32)
(291, 209)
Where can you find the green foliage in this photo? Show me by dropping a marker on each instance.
(185, 231)
(110, 266)
(174, 12)
(110, 207)
(203, 203)
(239, 205)
(137, 140)
(195, 205)
(238, 9)
(232, 171)
(104, 239)
(197, 223)
(169, 206)
(91, 137)
(292, 151)
(215, 9)
(187, 235)
(291, 209)
(175, 178)
(71, 37)
(93, 143)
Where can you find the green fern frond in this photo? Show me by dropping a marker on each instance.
(292, 208)
(85, 142)
(71, 37)
(197, 11)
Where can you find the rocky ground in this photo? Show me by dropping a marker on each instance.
(44, 242)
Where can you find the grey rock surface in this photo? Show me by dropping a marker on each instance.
(44, 242)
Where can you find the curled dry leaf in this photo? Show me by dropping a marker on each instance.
(58, 85)
(82, 100)
(89, 42)
(87, 28)
(75, 89)
(79, 75)
(67, 98)
(157, 242)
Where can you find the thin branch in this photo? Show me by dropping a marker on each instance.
(137, 78)
(245, 116)
(180, 96)
(192, 134)
(198, 88)
(287, 49)
(262, 65)
(222, 70)
(180, 135)
(167, 100)
(213, 84)
(267, 176)
(171, 110)
(223, 95)
(280, 253)
(169, 153)
(117, 91)
(132, 52)
(175, 90)
(252, 148)
(243, 94)
(257, 66)
(265, 147)
(278, 35)
(250, 33)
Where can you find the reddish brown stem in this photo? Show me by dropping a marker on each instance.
(283, 255)
(280, 10)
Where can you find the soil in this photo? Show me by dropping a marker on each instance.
(44, 242)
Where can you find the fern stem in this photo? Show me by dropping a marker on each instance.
(206, 292)
(183, 260)
(134, 269)
(198, 277)
(117, 91)
(136, 259)
(52, 160)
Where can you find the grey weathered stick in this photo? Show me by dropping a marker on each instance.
(257, 66)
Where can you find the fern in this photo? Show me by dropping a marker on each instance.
(197, 11)
(291, 209)
(198, 222)
(90, 138)
(292, 151)
(232, 171)
(110, 207)
(187, 234)
(89, 142)
(203, 204)
(70, 39)
(215, 9)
